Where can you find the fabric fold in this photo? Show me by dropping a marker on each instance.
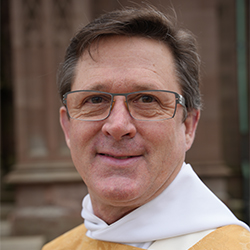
(184, 207)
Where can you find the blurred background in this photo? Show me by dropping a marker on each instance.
(41, 192)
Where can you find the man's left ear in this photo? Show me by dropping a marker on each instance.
(191, 123)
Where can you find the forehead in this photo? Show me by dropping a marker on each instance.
(121, 63)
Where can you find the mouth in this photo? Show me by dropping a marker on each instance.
(118, 157)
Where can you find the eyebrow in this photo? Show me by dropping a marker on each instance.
(99, 87)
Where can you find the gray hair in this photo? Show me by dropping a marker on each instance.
(144, 22)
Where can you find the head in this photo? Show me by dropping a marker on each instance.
(126, 162)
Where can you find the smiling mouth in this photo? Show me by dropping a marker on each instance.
(118, 157)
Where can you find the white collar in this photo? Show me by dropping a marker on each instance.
(184, 207)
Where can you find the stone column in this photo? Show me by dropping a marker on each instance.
(48, 188)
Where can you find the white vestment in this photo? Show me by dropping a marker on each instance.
(186, 206)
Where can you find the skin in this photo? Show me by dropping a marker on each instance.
(116, 185)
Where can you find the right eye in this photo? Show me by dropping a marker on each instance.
(96, 99)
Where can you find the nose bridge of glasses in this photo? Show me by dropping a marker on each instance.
(114, 100)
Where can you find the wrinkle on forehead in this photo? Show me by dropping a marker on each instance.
(123, 58)
(100, 49)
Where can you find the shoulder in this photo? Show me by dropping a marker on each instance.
(70, 240)
(227, 237)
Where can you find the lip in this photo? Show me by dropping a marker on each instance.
(112, 159)
(118, 157)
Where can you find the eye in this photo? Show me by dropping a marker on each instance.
(147, 98)
(143, 98)
(96, 99)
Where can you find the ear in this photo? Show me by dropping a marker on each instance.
(65, 124)
(191, 123)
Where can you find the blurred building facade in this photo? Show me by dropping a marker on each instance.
(48, 190)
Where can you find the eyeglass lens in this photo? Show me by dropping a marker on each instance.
(147, 105)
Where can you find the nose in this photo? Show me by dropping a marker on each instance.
(119, 124)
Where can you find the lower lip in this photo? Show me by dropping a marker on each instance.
(116, 161)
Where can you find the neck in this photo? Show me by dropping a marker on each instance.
(108, 213)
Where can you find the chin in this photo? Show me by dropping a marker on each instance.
(121, 191)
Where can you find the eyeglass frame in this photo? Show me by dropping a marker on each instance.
(179, 99)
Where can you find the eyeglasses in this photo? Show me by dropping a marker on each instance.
(149, 105)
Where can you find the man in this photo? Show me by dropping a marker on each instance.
(130, 88)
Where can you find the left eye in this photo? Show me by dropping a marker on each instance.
(147, 98)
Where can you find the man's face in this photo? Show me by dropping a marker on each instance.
(125, 162)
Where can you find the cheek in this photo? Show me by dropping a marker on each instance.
(167, 143)
(81, 133)
(161, 136)
(81, 136)
(166, 153)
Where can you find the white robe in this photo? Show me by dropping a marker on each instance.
(185, 206)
